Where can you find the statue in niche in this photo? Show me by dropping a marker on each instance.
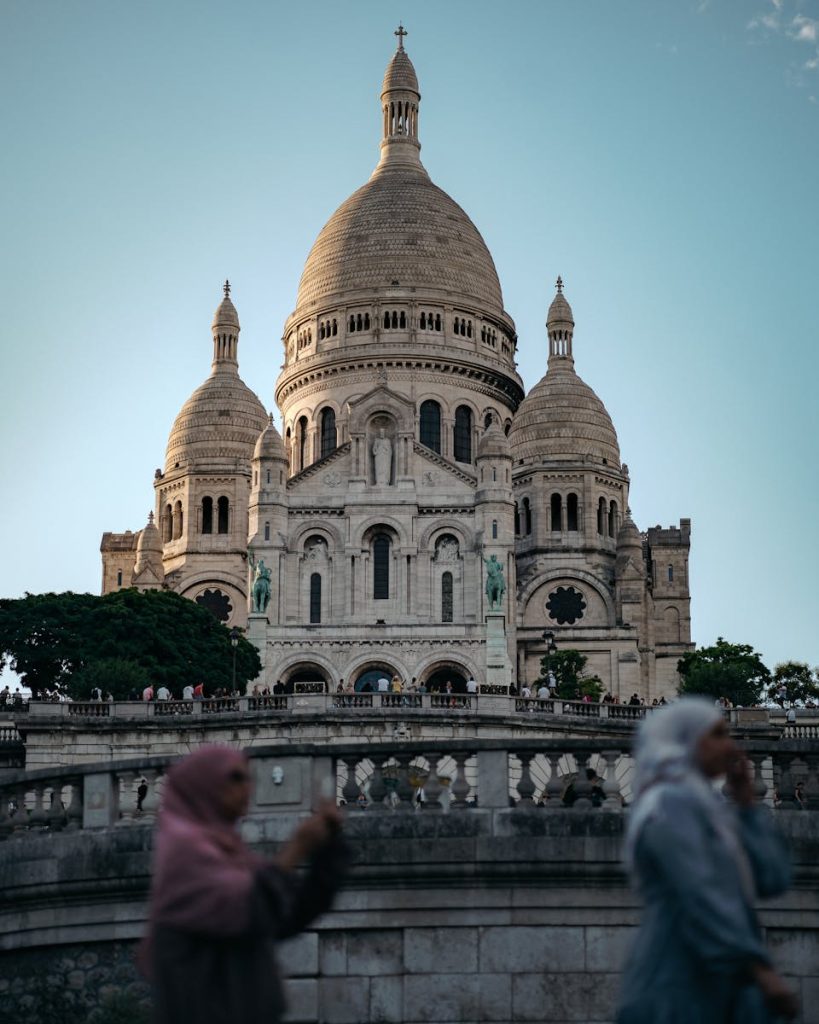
(495, 583)
(316, 550)
(260, 593)
(447, 550)
(382, 457)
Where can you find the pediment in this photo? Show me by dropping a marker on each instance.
(427, 457)
(381, 400)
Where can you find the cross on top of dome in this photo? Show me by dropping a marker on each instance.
(559, 285)
(226, 288)
(401, 32)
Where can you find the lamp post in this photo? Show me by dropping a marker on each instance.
(234, 643)
(551, 649)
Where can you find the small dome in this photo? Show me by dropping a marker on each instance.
(269, 444)
(219, 423)
(226, 315)
(560, 312)
(493, 442)
(400, 74)
(563, 419)
(149, 540)
(628, 535)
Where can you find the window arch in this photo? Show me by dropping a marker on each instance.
(671, 574)
(446, 597)
(571, 512)
(301, 444)
(223, 515)
(527, 516)
(517, 520)
(431, 425)
(381, 567)
(494, 529)
(328, 431)
(267, 530)
(613, 519)
(315, 597)
(602, 517)
(207, 515)
(178, 520)
(167, 524)
(463, 434)
(557, 512)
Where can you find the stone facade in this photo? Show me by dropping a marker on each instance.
(409, 456)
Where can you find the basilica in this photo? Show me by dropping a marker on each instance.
(419, 514)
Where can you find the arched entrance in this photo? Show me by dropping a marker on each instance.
(367, 679)
(306, 678)
(439, 675)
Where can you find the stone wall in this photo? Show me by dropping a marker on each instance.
(478, 915)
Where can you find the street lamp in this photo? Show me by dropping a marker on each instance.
(551, 649)
(234, 643)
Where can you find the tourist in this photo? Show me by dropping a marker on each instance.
(595, 794)
(525, 691)
(133, 693)
(790, 715)
(187, 692)
(163, 693)
(96, 694)
(471, 685)
(109, 697)
(148, 692)
(395, 685)
(383, 685)
(278, 688)
(199, 691)
(543, 691)
(513, 690)
(699, 864)
(216, 906)
(635, 700)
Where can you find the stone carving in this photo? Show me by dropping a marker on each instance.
(430, 478)
(495, 583)
(316, 549)
(447, 549)
(332, 479)
(382, 457)
(261, 584)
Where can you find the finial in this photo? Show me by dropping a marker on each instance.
(559, 285)
(226, 288)
(400, 32)
(150, 519)
(270, 418)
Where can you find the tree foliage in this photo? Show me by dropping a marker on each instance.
(735, 671)
(567, 666)
(800, 681)
(48, 639)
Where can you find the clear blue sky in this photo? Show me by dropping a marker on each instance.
(662, 155)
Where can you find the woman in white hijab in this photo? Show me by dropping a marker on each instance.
(699, 861)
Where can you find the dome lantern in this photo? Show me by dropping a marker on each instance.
(225, 329)
(400, 99)
(560, 326)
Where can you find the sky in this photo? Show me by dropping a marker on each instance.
(661, 155)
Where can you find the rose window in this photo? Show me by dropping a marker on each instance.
(565, 605)
(217, 603)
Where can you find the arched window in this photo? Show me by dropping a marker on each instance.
(402, 319)
(527, 516)
(386, 321)
(222, 509)
(487, 421)
(602, 517)
(119, 577)
(267, 531)
(446, 597)
(557, 512)
(613, 519)
(494, 529)
(315, 597)
(177, 520)
(301, 439)
(437, 321)
(351, 325)
(394, 319)
(381, 567)
(167, 524)
(431, 425)
(366, 321)
(571, 512)
(423, 321)
(463, 434)
(328, 431)
(517, 520)
(207, 515)
(335, 328)
(671, 574)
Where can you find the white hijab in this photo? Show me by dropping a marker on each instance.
(666, 753)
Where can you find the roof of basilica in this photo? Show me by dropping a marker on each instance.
(400, 228)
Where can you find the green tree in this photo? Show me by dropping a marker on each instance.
(735, 671)
(50, 638)
(111, 675)
(567, 666)
(801, 682)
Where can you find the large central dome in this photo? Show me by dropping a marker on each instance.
(402, 228)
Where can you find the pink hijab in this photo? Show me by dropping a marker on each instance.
(203, 872)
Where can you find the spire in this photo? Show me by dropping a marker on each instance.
(225, 329)
(560, 328)
(400, 98)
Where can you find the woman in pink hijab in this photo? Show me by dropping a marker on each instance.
(216, 908)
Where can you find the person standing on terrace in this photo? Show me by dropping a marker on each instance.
(216, 908)
(699, 861)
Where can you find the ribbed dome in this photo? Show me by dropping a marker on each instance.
(493, 442)
(400, 227)
(628, 536)
(220, 422)
(149, 539)
(400, 74)
(563, 419)
(560, 312)
(269, 444)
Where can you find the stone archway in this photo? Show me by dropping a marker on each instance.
(441, 672)
(306, 677)
(366, 679)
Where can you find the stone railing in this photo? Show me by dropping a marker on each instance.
(389, 777)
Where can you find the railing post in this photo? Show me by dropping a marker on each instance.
(493, 778)
(611, 788)
(100, 804)
(554, 787)
(432, 786)
(459, 787)
(526, 787)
